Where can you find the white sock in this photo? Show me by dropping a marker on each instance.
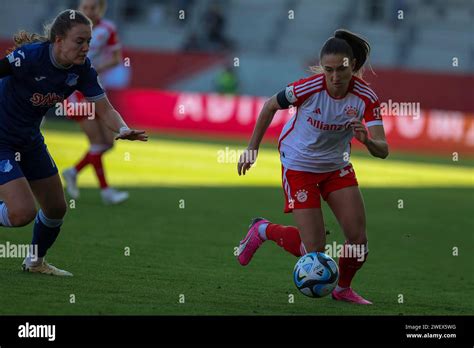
(35, 261)
(99, 148)
(4, 220)
(338, 288)
(262, 231)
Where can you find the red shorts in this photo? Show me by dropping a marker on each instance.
(303, 189)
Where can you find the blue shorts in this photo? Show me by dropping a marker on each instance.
(34, 163)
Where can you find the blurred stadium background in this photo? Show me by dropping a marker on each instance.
(197, 84)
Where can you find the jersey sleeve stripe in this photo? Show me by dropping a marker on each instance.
(365, 88)
(312, 90)
(305, 90)
(364, 93)
(307, 85)
(320, 78)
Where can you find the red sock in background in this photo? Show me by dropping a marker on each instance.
(288, 237)
(96, 161)
(348, 266)
(83, 162)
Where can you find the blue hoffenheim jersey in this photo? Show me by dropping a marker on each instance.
(38, 82)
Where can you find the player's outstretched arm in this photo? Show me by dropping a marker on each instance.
(114, 121)
(264, 120)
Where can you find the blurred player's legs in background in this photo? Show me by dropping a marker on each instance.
(101, 139)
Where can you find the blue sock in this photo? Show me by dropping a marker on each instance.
(45, 232)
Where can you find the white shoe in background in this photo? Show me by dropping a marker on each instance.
(113, 196)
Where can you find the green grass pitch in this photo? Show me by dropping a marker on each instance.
(177, 249)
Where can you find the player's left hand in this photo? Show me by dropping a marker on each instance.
(360, 132)
(132, 134)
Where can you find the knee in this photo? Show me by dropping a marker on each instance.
(22, 216)
(357, 237)
(355, 232)
(57, 211)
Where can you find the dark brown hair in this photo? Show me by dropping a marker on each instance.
(58, 28)
(349, 44)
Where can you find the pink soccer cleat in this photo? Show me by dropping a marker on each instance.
(252, 241)
(349, 295)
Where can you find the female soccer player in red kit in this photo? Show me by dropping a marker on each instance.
(314, 150)
(105, 54)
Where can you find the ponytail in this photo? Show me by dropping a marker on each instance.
(24, 38)
(59, 27)
(349, 44)
(360, 47)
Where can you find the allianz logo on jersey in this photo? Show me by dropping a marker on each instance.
(325, 126)
(349, 111)
(48, 100)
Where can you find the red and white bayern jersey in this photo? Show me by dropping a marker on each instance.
(104, 42)
(317, 138)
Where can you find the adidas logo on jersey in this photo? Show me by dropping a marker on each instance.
(317, 111)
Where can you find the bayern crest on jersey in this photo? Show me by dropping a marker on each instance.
(351, 111)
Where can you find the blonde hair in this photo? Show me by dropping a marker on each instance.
(60, 26)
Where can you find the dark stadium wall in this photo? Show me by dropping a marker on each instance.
(433, 90)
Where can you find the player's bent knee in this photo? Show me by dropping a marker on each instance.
(59, 211)
(21, 217)
(56, 211)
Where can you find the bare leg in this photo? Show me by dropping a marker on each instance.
(310, 224)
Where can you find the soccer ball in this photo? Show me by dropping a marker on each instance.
(316, 274)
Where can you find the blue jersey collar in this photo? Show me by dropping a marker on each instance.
(54, 62)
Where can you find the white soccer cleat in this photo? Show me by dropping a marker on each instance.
(44, 268)
(70, 176)
(113, 196)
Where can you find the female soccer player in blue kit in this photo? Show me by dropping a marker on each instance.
(39, 73)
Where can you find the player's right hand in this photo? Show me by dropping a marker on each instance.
(132, 134)
(247, 158)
